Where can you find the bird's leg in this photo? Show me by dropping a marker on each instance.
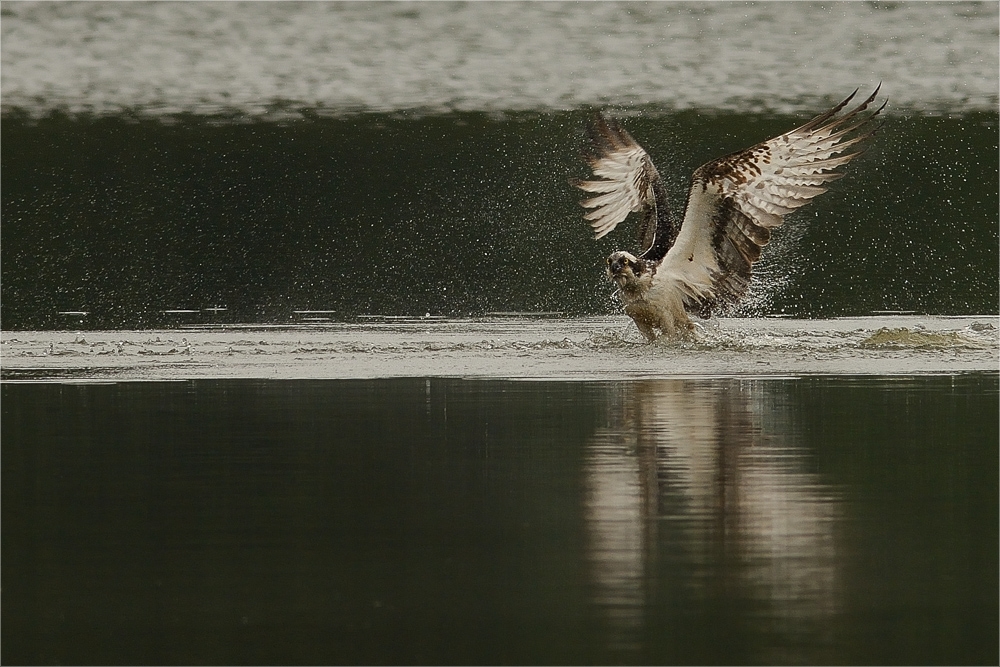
(642, 320)
(677, 326)
(646, 330)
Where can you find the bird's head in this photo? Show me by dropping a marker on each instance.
(627, 271)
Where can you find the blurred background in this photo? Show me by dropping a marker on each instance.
(244, 162)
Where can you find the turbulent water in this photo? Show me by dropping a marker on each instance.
(508, 347)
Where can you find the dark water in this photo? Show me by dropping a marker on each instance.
(811, 520)
(451, 214)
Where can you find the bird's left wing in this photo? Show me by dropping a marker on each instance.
(736, 200)
(627, 182)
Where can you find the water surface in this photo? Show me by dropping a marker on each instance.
(809, 520)
(272, 60)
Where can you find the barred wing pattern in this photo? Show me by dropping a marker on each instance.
(629, 183)
(736, 200)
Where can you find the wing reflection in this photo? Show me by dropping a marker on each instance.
(698, 496)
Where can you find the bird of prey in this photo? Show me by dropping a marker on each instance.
(703, 262)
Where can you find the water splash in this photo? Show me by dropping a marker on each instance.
(903, 338)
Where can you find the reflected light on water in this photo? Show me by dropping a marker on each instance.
(700, 470)
(817, 520)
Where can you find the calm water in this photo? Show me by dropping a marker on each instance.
(810, 520)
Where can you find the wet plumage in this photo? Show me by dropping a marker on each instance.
(704, 261)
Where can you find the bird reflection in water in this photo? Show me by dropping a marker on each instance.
(699, 502)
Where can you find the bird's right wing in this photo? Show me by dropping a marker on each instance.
(735, 201)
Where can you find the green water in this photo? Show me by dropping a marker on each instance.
(812, 520)
(457, 214)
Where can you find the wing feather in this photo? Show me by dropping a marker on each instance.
(621, 193)
(625, 182)
(736, 200)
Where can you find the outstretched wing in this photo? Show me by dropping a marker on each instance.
(628, 183)
(736, 200)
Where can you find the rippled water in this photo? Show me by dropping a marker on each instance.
(267, 59)
(508, 347)
(812, 520)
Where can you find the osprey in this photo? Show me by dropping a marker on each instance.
(734, 202)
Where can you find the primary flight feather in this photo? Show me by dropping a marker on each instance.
(734, 202)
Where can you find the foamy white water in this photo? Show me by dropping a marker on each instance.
(273, 58)
(578, 348)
